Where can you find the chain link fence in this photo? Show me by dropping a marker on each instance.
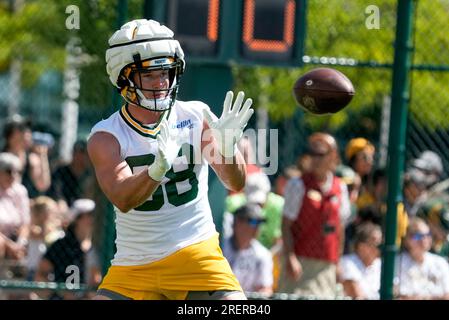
(52, 73)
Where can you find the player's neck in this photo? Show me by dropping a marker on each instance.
(143, 115)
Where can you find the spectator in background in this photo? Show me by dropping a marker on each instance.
(34, 158)
(286, 174)
(375, 193)
(359, 272)
(74, 249)
(372, 206)
(419, 273)
(359, 154)
(14, 208)
(69, 180)
(302, 166)
(250, 261)
(304, 163)
(257, 191)
(432, 205)
(420, 183)
(45, 228)
(353, 182)
(415, 190)
(421, 187)
(431, 165)
(316, 208)
(435, 211)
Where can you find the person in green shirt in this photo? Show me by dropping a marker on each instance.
(258, 190)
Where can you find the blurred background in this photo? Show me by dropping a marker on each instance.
(54, 88)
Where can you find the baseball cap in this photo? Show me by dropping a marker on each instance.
(416, 177)
(81, 206)
(257, 188)
(356, 145)
(250, 211)
(429, 161)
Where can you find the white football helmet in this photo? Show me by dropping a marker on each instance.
(142, 46)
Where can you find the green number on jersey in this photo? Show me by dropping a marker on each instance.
(183, 177)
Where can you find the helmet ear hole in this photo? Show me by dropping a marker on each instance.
(122, 82)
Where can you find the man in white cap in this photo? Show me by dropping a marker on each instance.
(258, 191)
(251, 262)
(431, 165)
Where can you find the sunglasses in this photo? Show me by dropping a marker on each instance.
(253, 222)
(419, 236)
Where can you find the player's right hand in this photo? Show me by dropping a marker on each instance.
(169, 144)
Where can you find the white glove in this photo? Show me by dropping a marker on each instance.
(229, 128)
(168, 148)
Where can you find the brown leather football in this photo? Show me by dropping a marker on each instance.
(323, 90)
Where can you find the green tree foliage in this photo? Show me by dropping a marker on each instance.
(36, 34)
(429, 88)
(25, 35)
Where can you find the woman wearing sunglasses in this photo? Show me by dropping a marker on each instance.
(421, 274)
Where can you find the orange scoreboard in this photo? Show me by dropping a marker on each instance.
(264, 32)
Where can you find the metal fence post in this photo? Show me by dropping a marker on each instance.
(396, 146)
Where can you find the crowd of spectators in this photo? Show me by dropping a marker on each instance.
(315, 231)
(46, 210)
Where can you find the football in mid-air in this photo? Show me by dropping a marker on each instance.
(323, 90)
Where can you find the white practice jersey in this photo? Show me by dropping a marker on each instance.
(178, 213)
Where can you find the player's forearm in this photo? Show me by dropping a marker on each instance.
(232, 172)
(132, 191)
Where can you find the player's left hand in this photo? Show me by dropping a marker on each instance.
(228, 129)
(169, 144)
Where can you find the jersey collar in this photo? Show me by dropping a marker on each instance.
(137, 126)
